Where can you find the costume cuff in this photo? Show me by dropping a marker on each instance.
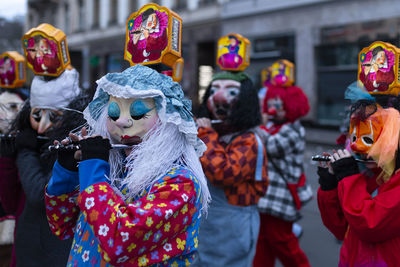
(93, 171)
(326, 180)
(63, 181)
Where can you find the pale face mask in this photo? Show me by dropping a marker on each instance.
(223, 96)
(130, 119)
(42, 120)
(10, 105)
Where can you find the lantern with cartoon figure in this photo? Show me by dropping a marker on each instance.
(153, 36)
(282, 73)
(12, 70)
(378, 68)
(233, 52)
(46, 50)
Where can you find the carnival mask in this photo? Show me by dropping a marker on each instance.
(276, 110)
(365, 132)
(42, 120)
(10, 105)
(130, 119)
(223, 96)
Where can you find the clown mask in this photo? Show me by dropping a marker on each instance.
(43, 120)
(275, 110)
(365, 133)
(129, 119)
(10, 105)
(223, 96)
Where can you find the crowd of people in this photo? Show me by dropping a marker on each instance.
(131, 176)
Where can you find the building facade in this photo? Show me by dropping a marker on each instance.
(322, 38)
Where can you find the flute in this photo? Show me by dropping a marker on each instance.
(12, 136)
(321, 158)
(75, 147)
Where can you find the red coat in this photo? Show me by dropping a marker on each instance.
(369, 226)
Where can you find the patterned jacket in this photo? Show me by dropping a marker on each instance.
(285, 147)
(238, 167)
(159, 228)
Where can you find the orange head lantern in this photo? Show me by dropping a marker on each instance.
(282, 73)
(153, 36)
(46, 50)
(378, 68)
(12, 70)
(233, 52)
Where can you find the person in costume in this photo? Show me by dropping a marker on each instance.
(148, 36)
(48, 114)
(235, 166)
(139, 206)
(377, 70)
(284, 140)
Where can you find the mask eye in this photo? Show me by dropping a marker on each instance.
(353, 138)
(233, 91)
(114, 111)
(213, 90)
(138, 110)
(54, 117)
(368, 140)
(37, 115)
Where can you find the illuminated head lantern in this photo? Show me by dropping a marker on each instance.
(12, 70)
(378, 68)
(46, 50)
(153, 36)
(282, 73)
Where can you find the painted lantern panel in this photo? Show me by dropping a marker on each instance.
(282, 73)
(233, 52)
(46, 50)
(378, 68)
(153, 36)
(12, 70)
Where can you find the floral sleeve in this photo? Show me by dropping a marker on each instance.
(150, 228)
(62, 212)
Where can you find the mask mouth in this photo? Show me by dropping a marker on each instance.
(130, 140)
(360, 157)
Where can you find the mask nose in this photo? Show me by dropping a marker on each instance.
(124, 122)
(271, 111)
(44, 124)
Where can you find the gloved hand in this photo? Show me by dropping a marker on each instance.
(67, 160)
(327, 180)
(344, 164)
(7, 146)
(95, 148)
(27, 138)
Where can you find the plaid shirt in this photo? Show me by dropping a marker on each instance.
(233, 166)
(285, 148)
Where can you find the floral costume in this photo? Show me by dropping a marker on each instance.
(114, 226)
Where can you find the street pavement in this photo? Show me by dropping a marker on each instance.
(320, 246)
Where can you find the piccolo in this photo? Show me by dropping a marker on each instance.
(321, 158)
(216, 121)
(75, 147)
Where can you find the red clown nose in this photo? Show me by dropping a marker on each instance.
(271, 111)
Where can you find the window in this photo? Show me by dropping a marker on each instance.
(180, 4)
(67, 18)
(82, 15)
(113, 11)
(96, 13)
(207, 2)
(132, 6)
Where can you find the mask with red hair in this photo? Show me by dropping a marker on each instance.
(285, 104)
